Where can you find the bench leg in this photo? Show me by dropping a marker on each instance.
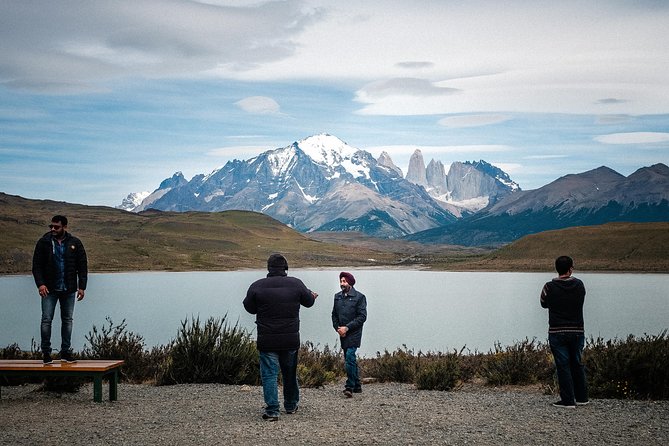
(113, 389)
(97, 388)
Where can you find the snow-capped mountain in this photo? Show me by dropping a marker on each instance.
(177, 180)
(318, 183)
(133, 200)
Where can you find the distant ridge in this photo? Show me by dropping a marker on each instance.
(594, 197)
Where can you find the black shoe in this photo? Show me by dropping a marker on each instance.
(357, 390)
(290, 412)
(269, 417)
(348, 393)
(47, 359)
(564, 405)
(67, 357)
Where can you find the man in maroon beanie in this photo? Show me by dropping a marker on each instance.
(349, 313)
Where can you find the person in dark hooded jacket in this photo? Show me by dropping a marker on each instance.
(564, 297)
(276, 301)
(349, 313)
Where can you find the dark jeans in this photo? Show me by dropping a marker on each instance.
(567, 349)
(351, 364)
(270, 365)
(49, 301)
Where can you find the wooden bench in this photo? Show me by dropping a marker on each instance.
(96, 369)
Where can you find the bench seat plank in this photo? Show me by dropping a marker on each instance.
(97, 369)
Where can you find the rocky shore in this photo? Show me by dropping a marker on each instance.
(384, 414)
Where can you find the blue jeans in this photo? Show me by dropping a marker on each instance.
(567, 349)
(66, 313)
(351, 364)
(270, 365)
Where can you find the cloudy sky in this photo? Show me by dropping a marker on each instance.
(99, 99)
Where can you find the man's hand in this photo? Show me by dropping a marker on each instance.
(43, 290)
(342, 331)
(80, 294)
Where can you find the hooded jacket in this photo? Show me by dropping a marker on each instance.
(350, 310)
(564, 299)
(276, 300)
(45, 270)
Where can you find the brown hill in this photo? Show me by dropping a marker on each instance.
(610, 247)
(171, 241)
(116, 240)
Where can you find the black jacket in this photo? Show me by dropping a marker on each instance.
(276, 300)
(564, 299)
(351, 311)
(76, 263)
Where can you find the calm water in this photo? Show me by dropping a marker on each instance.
(429, 311)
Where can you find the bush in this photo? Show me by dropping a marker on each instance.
(526, 362)
(633, 368)
(399, 366)
(316, 368)
(213, 353)
(115, 342)
(438, 372)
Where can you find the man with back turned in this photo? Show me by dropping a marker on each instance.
(276, 301)
(564, 297)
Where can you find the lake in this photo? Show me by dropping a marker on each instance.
(423, 310)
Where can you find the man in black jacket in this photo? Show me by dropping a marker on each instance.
(276, 301)
(60, 270)
(564, 297)
(349, 313)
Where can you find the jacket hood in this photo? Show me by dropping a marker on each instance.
(566, 284)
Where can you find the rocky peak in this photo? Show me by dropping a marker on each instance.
(416, 172)
(436, 176)
(385, 161)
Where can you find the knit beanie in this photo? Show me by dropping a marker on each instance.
(349, 277)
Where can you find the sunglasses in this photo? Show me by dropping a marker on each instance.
(56, 227)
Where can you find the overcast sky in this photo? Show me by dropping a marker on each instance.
(102, 98)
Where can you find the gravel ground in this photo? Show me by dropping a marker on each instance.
(208, 414)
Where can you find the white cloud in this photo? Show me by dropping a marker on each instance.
(403, 58)
(259, 105)
(633, 138)
(472, 120)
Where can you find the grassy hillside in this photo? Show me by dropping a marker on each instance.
(610, 247)
(171, 241)
(122, 241)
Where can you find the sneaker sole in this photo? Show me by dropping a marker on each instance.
(584, 403)
(561, 406)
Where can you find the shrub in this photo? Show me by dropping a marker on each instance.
(317, 368)
(526, 362)
(631, 368)
(438, 372)
(115, 342)
(399, 366)
(213, 353)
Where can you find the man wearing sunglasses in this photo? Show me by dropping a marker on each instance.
(60, 270)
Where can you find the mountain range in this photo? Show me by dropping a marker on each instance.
(594, 197)
(317, 184)
(323, 184)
